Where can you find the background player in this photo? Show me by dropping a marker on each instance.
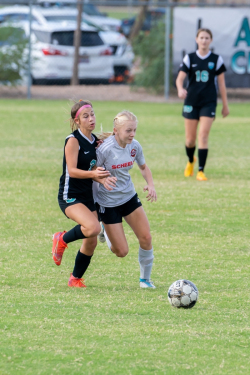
(75, 190)
(118, 154)
(204, 68)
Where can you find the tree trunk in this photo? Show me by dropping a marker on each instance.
(139, 21)
(77, 43)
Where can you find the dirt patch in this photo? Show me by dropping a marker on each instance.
(103, 93)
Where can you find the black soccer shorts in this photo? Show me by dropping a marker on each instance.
(195, 112)
(114, 215)
(71, 202)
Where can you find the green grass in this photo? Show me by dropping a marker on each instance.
(200, 232)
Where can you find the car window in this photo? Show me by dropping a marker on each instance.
(66, 38)
(15, 17)
(91, 10)
(42, 36)
(59, 18)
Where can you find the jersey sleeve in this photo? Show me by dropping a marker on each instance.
(185, 65)
(220, 67)
(140, 160)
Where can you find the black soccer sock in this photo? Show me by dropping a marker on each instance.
(73, 234)
(190, 153)
(81, 264)
(202, 154)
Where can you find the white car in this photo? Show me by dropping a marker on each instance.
(90, 12)
(122, 52)
(39, 14)
(53, 55)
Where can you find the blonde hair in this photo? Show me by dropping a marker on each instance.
(118, 122)
(123, 116)
(206, 31)
(73, 125)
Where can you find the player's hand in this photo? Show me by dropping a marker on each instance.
(109, 183)
(100, 172)
(152, 196)
(182, 94)
(99, 142)
(225, 111)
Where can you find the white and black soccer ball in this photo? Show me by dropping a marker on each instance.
(183, 293)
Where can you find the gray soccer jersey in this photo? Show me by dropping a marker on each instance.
(118, 161)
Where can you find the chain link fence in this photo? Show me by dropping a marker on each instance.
(137, 43)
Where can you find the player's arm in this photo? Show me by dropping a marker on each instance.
(71, 155)
(147, 175)
(182, 93)
(108, 182)
(223, 94)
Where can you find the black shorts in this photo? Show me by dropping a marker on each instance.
(114, 215)
(195, 112)
(71, 202)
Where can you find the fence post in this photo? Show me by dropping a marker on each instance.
(167, 51)
(29, 53)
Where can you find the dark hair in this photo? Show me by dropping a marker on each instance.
(205, 30)
(74, 110)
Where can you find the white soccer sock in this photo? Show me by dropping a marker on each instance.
(145, 258)
(107, 240)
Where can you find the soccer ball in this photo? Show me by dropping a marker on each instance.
(183, 293)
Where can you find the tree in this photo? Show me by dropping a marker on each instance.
(77, 43)
(13, 56)
(139, 20)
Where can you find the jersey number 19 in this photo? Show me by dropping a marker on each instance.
(202, 76)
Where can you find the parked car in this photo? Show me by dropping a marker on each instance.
(90, 11)
(152, 17)
(53, 54)
(122, 52)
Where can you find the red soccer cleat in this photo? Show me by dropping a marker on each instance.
(75, 282)
(58, 247)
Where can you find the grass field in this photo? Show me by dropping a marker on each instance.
(200, 232)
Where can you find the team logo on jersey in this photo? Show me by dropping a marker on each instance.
(70, 200)
(210, 65)
(187, 108)
(92, 164)
(133, 153)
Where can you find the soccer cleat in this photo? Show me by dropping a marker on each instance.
(189, 170)
(75, 282)
(201, 176)
(58, 247)
(101, 236)
(146, 283)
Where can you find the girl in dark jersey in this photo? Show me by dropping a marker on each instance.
(75, 190)
(204, 68)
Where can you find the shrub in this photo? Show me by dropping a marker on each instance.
(13, 57)
(150, 48)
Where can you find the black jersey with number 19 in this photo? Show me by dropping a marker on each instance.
(202, 72)
(76, 188)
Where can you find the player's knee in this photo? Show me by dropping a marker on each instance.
(120, 252)
(190, 143)
(92, 231)
(145, 240)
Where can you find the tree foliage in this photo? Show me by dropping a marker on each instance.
(150, 48)
(13, 57)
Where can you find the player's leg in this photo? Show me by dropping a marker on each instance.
(88, 226)
(190, 140)
(205, 126)
(82, 261)
(138, 221)
(116, 239)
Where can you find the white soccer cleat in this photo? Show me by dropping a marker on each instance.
(146, 283)
(101, 236)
